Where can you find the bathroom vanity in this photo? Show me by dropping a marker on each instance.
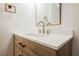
(29, 45)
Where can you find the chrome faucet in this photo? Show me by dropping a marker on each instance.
(41, 22)
(44, 23)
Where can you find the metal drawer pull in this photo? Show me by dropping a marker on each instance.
(22, 44)
(20, 55)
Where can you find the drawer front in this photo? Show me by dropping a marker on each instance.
(22, 44)
(34, 48)
(18, 52)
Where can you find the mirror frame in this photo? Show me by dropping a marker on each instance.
(51, 24)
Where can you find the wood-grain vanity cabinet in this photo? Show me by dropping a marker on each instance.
(25, 47)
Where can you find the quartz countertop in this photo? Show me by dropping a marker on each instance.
(55, 41)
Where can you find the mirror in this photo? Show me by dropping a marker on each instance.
(49, 12)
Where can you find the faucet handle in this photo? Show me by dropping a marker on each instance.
(39, 30)
(48, 31)
(48, 24)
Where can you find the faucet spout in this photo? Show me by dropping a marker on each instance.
(43, 25)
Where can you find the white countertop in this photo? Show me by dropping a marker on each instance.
(54, 41)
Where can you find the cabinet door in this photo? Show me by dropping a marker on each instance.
(66, 50)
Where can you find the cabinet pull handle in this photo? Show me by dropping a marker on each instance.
(22, 44)
(20, 55)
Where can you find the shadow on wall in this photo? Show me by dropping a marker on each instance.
(10, 49)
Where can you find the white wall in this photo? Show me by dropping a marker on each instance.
(25, 17)
(21, 21)
(6, 29)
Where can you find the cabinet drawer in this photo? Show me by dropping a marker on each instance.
(18, 52)
(34, 48)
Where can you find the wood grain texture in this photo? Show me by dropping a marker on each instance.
(66, 50)
(35, 49)
(18, 52)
